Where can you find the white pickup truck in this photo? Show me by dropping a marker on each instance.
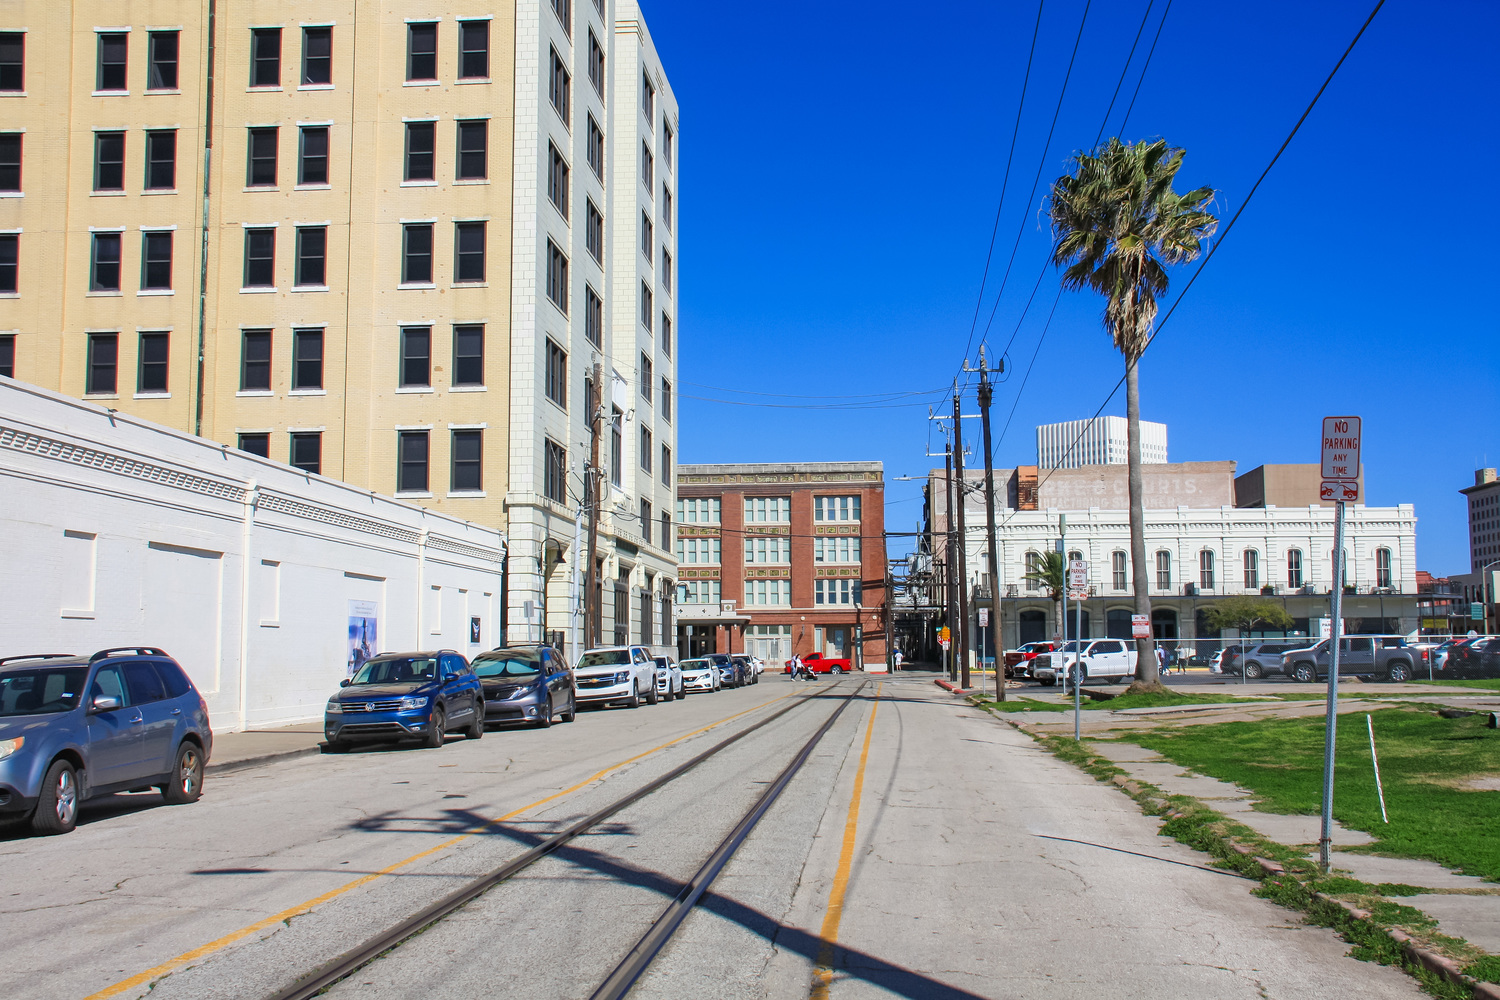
(1110, 660)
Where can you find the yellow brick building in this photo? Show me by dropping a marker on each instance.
(383, 242)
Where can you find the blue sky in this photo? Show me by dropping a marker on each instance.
(840, 169)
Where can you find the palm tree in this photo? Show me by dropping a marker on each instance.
(1117, 225)
(1049, 572)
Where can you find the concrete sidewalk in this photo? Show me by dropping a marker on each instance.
(235, 751)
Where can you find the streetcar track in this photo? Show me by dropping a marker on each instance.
(356, 958)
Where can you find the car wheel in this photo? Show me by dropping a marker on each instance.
(635, 695)
(57, 805)
(187, 776)
(653, 696)
(476, 728)
(836, 671)
(1049, 682)
(544, 720)
(437, 729)
(1304, 673)
(1252, 671)
(572, 712)
(1399, 672)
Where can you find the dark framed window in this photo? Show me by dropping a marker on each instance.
(646, 520)
(10, 263)
(666, 270)
(557, 179)
(307, 452)
(473, 150)
(557, 277)
(256, 444)
(666, 400)
(265, 57)
(312, 157)
(648, 237)
(648, 167)
(8, 355)
(557, 374)
(596, 64)
(10, 161)
(645, 449)
(109, 161)
(161, 58)
(312, 256)
(564, 11)
(668, 144)
(473, 50)
(555, 472)
(104, 267)
(421, 143)
(411, 457)
(468, 462)
(646, 308)
(317, 59)
(151, 366)
(666, 334)
(590, 400)
(416, 254)
(593, 232)
(616, 446)
(560, 88)
(468, 252)
(648, 96)
(102, 377)
(416, 356)
(255, 360)
(161, 160)
(468, 354)
(421, 51)
(156, 261)
(12, 61)
(260, 258)
(112, 54)
(593, 316)
(260, 166)
(596, 148)
(666, 466)
(307, 359)
(647, 376)
(666, 207)
(666, 543)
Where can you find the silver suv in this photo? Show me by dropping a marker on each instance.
(1263, 658)
(1381, 657)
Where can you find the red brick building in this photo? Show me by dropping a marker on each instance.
(776, 559)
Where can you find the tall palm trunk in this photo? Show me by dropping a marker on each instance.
(1148, 671)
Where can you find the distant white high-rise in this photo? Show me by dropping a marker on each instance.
(1100, 441)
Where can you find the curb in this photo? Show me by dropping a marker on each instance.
(1434, 963)
(952, 688)
(267, 758)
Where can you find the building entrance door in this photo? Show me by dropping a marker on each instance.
(836, 642)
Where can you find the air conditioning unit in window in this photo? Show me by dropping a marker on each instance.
(1189, 590)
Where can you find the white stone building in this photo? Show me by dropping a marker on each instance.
(1097, 441)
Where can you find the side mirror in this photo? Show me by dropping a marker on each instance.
(105, 703)
(344, 683)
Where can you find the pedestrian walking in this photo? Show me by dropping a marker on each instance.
(796, 673)
(1161, 658)
(898, 660)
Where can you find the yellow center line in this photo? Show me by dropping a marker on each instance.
(172, 964)
(829, 935)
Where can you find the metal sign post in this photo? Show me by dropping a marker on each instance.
(1341, 441)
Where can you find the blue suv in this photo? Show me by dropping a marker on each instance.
(397, 696)
(73, 728)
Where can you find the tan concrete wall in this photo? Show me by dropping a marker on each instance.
(1190, 484)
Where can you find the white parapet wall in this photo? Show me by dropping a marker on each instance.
(266, 583)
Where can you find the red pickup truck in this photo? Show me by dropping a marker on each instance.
(820, 665)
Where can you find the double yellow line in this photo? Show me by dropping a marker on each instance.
(188, 957)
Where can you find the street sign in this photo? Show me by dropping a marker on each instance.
(1140, 627)
(1476, 612)
(944, 635)
(1341, 439)
(984, 617)
(944, 643)
(1078, 595)
(1078, 574)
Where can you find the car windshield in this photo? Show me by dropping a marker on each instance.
(507, 665)
(41, 691)
(397, 670)
(694, 664)
(604, 658)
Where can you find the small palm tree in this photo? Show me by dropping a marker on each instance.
(1049, 572)
(1117, 226)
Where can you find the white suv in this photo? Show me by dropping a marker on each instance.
(622, 674)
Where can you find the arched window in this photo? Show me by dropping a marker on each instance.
(1117, 570)
(1206, 569)
(1252, 569)
(1382, 567)
(1163, 570)
(1294, 569)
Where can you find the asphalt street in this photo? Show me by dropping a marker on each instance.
(977, 865)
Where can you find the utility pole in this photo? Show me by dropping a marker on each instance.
(966, 643)
(593, 481)
(986, 394)
(950, 598)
